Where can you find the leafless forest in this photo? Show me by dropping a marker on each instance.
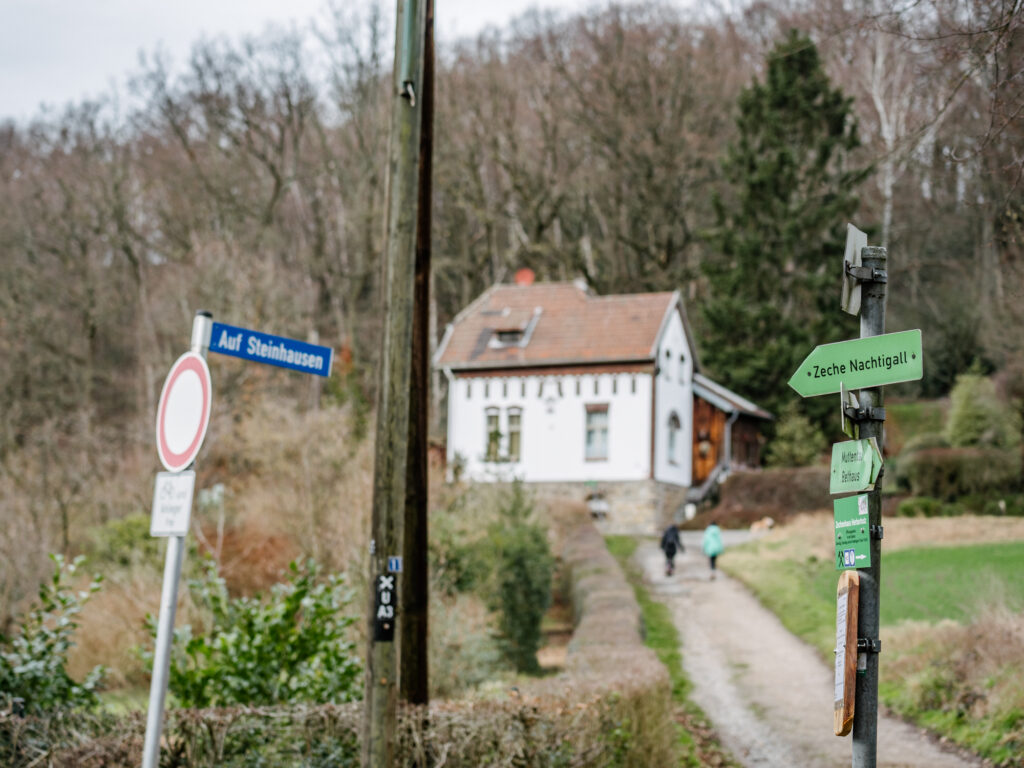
(251, 182)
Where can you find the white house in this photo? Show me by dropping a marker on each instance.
(598, 398)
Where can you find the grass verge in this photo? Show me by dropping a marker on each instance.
(697, 741)
(951, 628)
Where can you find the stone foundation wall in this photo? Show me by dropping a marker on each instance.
(640, 507)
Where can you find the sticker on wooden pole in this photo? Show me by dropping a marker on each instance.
(847, 597)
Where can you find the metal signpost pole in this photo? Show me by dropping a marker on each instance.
(870, 418)
(201, 327)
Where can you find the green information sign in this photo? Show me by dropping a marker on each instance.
(853, 535)
(860, 363)
(855, 466)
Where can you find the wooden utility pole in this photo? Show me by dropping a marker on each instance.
(865, 715)
(415, 590)
(390, 481)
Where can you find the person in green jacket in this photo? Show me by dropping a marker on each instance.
(712, 545)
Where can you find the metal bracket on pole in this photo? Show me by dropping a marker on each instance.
(867, 274)
(876, 532)
(868, 645)
(865, 413)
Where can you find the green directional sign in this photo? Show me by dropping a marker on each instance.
(860, 363)
(853, 533)
(855, 466)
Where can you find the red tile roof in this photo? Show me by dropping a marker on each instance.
(572, 327)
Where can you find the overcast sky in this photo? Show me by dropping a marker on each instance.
(56, 51)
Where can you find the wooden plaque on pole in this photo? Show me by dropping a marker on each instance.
(847, 596)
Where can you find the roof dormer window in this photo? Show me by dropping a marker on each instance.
(508, 338)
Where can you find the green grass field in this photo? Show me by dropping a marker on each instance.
(921, 584)
(935, 676)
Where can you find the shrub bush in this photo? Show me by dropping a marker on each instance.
(924, 506)
(1012, 505)
(33, 664)
(125, 540)
(291, 647)
(948, 473)
(797, 442)
(524, 570)
(978, 417)
(925, 441)
(610, 708)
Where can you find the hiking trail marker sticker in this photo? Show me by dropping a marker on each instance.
(853, 533)
(184, 412)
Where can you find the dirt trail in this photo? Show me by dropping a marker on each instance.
(767, 693)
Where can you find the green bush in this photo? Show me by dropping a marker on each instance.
(125, 540)
(522, 587)
(610, 708)
(978, 417)
(924, 506)
(33, 664)
(948, 473)
(797, 442)
(1012, 505)
(925, 441)
(293, 647)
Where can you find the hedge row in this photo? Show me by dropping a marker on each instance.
(609, 707)
(948, 473)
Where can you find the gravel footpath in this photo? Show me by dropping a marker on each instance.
(767, 693)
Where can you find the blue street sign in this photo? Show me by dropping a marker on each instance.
(270, 349)
(394, 564)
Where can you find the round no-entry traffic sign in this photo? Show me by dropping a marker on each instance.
(184, 412)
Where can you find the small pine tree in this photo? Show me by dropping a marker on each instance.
(772, 271)
(797, 442)
(525, 569)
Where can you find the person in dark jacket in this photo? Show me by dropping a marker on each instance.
(670, 544)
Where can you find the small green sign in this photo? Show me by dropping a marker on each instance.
(860, 363)
(855, 466)
(853, 534)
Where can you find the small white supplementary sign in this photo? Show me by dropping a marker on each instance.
(172, 503)
(840, 680)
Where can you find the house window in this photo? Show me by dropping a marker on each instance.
(682, 369)
(668, 363)
(493, 436)
(515, 428)
(596, 439)
(674, 427)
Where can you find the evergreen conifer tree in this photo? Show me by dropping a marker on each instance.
(774, 271)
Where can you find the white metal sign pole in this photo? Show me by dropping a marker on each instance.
(201, 327)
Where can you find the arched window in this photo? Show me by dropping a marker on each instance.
(674, 427)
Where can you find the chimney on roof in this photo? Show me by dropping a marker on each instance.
(524, 276)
